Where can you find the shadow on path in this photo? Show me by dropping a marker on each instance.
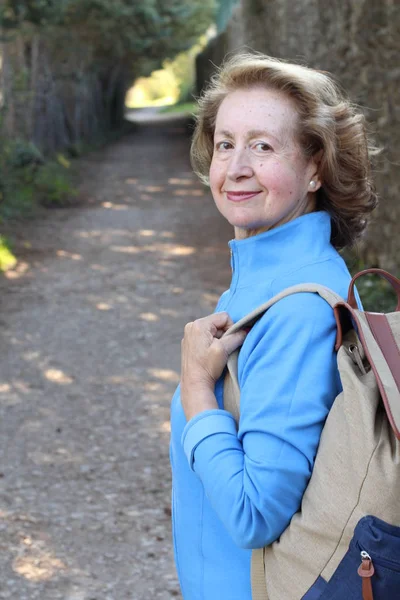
(92, 321)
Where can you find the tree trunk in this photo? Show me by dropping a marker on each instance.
(8, 106)
(58, 97)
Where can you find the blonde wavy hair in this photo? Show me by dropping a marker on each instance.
(328, 123)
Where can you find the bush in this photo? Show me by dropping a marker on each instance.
(21, 154)
(52, 184)
(27, 180)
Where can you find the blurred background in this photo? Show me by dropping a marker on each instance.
(72, 69)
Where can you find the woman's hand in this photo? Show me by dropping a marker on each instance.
(204, 356)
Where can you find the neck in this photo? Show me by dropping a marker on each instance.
(309, 207)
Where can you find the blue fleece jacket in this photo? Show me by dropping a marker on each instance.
(237, 489)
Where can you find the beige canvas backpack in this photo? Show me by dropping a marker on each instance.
(344, 543)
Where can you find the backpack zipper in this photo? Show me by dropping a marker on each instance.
(378, 560)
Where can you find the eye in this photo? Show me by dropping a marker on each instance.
(262, 147)
(224, 145)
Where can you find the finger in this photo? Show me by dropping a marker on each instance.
(233, 341)
(220, 320)
(219, 333)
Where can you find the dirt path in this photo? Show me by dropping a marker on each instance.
(91, 326)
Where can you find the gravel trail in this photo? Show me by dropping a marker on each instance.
(92, 319)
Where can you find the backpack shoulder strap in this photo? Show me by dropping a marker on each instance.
(231, 384)
(331, 297)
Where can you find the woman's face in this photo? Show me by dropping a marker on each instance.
(259, 176)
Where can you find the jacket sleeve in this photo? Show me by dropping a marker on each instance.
(255, 477)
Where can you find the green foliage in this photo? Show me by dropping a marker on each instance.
(17, 199)
(158, 89)
(172, 84)
(52, 184)
(17, 165)
(375, 292)
(68, 65)
(183, 69)
(37, 12)
(126, 30)
(7, 258)
(187, 107)
(141, 33)
(69, 62)
(26, 180)
(22, 154)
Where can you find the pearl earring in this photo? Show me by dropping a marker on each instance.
(313, 184)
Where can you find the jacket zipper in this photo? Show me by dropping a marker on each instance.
(232, 260)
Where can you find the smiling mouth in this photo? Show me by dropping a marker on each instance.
(240, 196)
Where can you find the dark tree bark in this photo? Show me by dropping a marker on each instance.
(57, 97)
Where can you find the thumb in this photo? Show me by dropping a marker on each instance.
(232, 341)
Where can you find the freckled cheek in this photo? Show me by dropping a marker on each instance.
(216, 176)
(280, 183)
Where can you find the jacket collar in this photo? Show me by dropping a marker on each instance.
(282, 250)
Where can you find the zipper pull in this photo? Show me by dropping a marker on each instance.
(366, 571)
(355, 355)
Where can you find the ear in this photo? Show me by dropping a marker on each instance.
(315, 184)
(317, 157)
(315, 179)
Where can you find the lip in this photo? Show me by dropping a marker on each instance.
(240, 196)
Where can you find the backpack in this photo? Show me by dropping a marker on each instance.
(344, 543)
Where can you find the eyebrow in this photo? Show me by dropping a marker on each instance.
(260, 132)
(251, 134)
(223, 132)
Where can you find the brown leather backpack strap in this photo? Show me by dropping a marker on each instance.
(376, 335)
(383, 334)
(367, 589)
(394, 282)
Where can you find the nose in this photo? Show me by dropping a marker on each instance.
(239, 165)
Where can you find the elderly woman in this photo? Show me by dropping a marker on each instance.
(287, 160)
